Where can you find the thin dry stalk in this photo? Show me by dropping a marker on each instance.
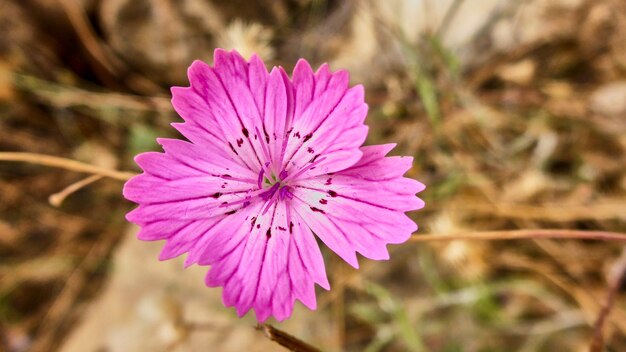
(67, 164)
(615, 279)
(284, 339)
(524, 234)
(58, 198)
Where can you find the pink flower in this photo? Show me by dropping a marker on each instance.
(271, 161)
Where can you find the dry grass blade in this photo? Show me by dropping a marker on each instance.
(284, 339)
(524, 234)
(66, 164)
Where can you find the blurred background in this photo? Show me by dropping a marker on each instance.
(515, 112)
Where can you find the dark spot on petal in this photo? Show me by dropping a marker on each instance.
(274, 134)
(240, 142)
(297, 135)
(230, 212)
(224, 185)
(245, 132)
(317, 210)
(310, 150)
(216, 195)
(282, 228)
(329, 181)
(307, 137)
(332, 193)
(253, 221)
(314, 158)
(226, 176)
(290, 227)
(256, 136)
(268, 234)
(267, 136)
(224, 203)
(323, 201)
(289, 132)
(232, 148)
(258, 226)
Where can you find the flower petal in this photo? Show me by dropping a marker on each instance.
(282, 263)
(330, 127)
(361, 208)
(220, 108)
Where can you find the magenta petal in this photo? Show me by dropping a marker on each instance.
(366, 202)
(276, 119)
(304, 85)
(308, 253)
(337, 241)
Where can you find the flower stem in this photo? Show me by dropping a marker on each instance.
(284, 339)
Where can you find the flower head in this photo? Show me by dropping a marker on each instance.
(271, 163)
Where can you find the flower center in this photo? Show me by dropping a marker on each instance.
(276, 188)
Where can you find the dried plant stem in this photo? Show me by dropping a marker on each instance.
(524, 234)
(284, 339)
(58, 198)
(615, 279)
(66, 164)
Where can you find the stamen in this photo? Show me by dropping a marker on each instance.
(260, 179)
(306, 168)
(271, 200)
(285, 193)
(267, 207)
(270, 192)
(264, 171)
